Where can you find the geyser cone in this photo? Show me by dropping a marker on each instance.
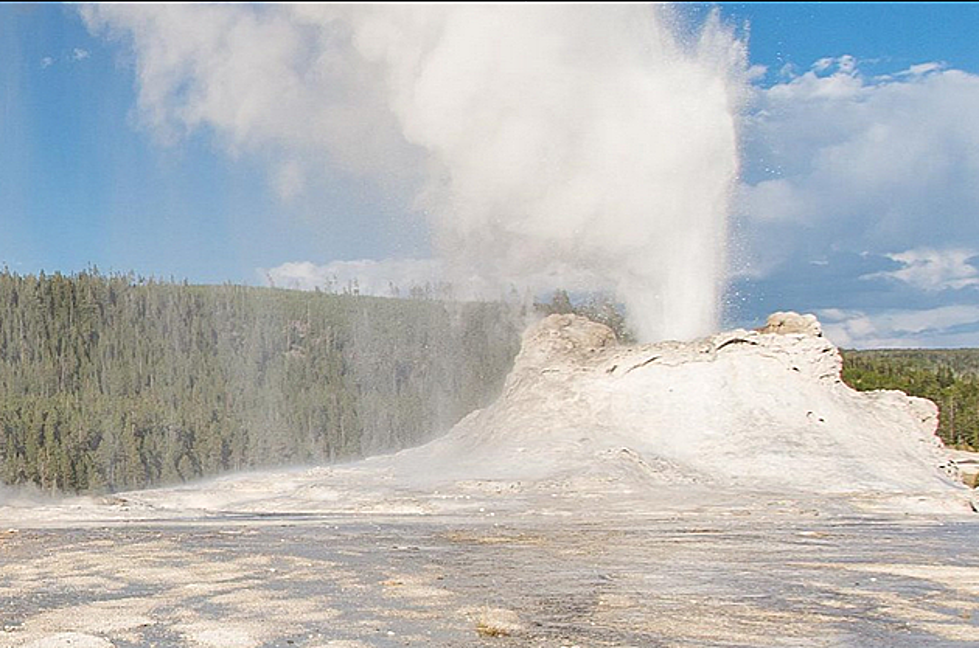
(741, 409)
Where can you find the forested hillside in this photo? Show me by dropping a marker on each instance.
(108, 382)
(950, 377)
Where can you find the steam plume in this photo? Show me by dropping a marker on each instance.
(592, 142)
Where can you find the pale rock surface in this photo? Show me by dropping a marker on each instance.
(756, 409)
(966, 466)
(789, 322)
(70, 640)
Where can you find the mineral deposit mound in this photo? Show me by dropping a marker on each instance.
(757, 409)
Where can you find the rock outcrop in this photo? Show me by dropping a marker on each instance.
(788, 323)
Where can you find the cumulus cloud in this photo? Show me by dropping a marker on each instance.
(79, 54)
(930, 269)
(858, 194)
(47, 62)
(531, 137)
(841, 161)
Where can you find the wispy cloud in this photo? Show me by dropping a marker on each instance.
(946, 326)
(76, 55)
(385, 278)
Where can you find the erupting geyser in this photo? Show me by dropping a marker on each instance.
(586, 143)
(587, 147)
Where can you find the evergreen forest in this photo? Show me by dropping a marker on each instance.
(114, 382)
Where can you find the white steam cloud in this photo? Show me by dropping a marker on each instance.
(590, 137)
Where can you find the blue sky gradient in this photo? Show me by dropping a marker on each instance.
(81, 183)
(888, 36)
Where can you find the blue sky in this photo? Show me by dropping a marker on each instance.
(81, 183)
(886, 254)
(893, 35)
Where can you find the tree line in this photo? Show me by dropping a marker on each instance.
(116, 382)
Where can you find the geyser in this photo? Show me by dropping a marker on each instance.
(590, 147)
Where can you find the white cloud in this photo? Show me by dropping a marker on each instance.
(845, 64)
(77, 54)
(923, 68)
(400, 277)
(945, 326)
(930, 270)
(862, 164)
(385, 278)
(289, 179)
(842, 169)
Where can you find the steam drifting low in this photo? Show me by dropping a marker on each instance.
(596, 144)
